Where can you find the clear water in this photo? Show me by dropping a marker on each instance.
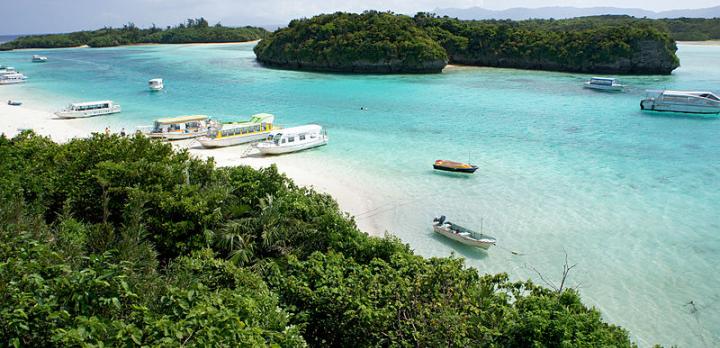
(631, 197)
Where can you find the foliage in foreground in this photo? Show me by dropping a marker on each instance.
(121, 241)
(194, 31)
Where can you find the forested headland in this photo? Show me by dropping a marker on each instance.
(384, 42)
(193, 31)
(122, 241)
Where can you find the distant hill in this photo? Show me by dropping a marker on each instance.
(559, 12)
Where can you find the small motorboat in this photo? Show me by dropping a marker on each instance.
(14, 102)
(156, 84)
(462, 234)
(39, 59)
(458, 167)
(607, 84)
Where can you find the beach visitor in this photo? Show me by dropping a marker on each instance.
(122, 132)
(107, 130)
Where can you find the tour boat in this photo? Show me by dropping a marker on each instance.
(604, 84)
(457, 167)
(156, 84)
(462, 234)
(681, 101)
(294, 139)
(39, 59)
(89, 109)
(181, 127)
(235, 133)
(12, 78)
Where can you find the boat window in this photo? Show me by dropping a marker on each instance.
(312, 136)
(291, 139)
(277, 138)
(710, 96)
(283, 141)
(302, 136)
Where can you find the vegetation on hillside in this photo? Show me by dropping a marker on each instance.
(348, 42)
(693, 29)
(602, 44)
(194, 31)
(122, 242)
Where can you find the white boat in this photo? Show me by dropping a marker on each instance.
(7, 70)
(12, 78)
(294, 139)
(235, 133)
(181, 127)
(156, 84)
(39, 59)
(462, 234)
(608, 84)
(695, 102)
(89, 109)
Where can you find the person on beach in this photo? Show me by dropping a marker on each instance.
(122, 132)
(107, 131)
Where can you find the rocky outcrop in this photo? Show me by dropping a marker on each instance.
(393, 66)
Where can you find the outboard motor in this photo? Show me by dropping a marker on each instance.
(439, 220)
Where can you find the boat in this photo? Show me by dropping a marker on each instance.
(7, 70)
(12, 78)
(695, 102)
(462, 234)
(294, 139)
(89, 109)
(156, 84)
(39, 59)
(14, 102)
(257, 128)
(181, 127)
(457, 167)
(607, 84)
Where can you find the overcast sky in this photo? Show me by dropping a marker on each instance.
(44, 16)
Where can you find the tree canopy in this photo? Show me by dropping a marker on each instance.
(122, 241)
(193, 31)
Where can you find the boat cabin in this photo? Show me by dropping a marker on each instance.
(156, 84)
(180, 124)
(604, 81)
(257, 124)
(97, 105)
(302, 134)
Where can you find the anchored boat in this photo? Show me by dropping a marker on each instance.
(257, 128)
(462, 234)
(294, 139)
(681, 101)
(156, 84)
(457, 167)
(89, 109)
(39, 59)
(607, 84)
(181, 127)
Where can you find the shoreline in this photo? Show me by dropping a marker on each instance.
(140, 44)
(700, 43)
(351, 198)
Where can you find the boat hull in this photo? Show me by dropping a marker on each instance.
(176, 135)
(11, 82)
(479, 243)
(89, 113)
(455, 170)
(232, 140)
(605, 88)
(272, 149)
(655, 105)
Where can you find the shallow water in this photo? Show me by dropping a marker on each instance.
(631, 197)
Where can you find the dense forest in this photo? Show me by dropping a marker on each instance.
(693, 29)
(386, 42)
(375, 42)
(121, 241)
(194, 31)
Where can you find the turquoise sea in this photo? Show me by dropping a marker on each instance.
(632, 198)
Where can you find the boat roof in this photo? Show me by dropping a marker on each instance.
(604, 78)
(181, 119)
(92, 103)
(257, 118)
(695, 93)
(155, 80)
(302, 129)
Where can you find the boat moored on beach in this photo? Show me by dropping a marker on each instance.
(12, 78)
(694, 102)
(607, 84)
(89, 109)
(156, 84)
(294, 139)
(456, 167)
(39, 59)
(177, 128)
(462, 234)
(257, 128)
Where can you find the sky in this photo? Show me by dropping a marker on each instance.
(49, 16)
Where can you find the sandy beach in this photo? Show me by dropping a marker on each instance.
(700, 43)
(351, 198)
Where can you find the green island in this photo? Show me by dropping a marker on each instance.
(692, 29)
(194, 31)
(384, 42)
(122, 241)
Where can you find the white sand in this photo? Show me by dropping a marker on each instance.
(351, 197)
(700, 43)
